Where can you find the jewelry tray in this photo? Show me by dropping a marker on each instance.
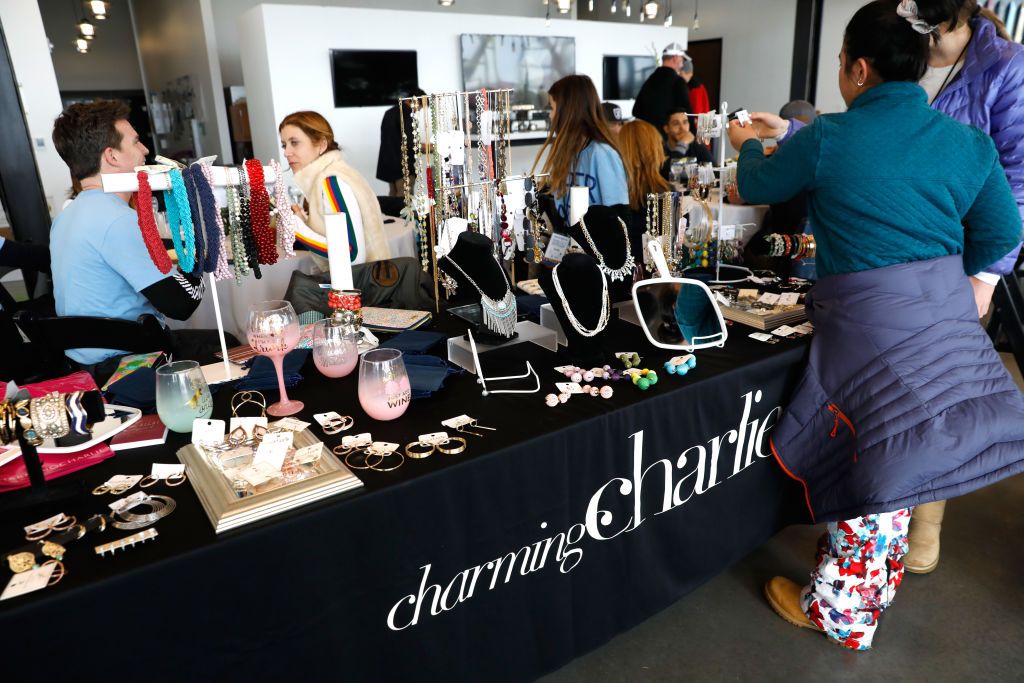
(227, 511)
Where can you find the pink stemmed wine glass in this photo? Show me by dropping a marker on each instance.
(274, 331)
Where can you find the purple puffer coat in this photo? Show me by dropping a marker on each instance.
(903, 401)
(988, 93)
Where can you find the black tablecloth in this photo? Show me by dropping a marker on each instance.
(532, 547)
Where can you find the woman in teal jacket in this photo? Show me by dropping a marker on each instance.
(904, 401)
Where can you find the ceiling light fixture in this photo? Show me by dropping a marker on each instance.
(81, 44)
(651, 9)
(98, 9)
(696, 18)
(86, 29)
(590, 5)
(615, 6)
(446, 3)
(668, 17)
(629, 8)
(564, 6)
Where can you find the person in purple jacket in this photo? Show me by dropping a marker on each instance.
(977, 78)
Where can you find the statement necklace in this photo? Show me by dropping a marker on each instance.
(499, 314)
(627, 266)
(576, 325)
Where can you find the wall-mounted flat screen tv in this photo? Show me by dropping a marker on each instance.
(624, 74)
(527, 64)
(371, 78)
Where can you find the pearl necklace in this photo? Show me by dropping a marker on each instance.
(627, 266)
(605, 307)
(499, 314)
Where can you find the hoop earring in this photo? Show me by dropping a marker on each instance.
(860, 84)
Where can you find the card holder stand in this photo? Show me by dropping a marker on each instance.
(549, 320)
(460, 352)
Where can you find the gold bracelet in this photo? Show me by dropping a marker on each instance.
(452, 451)
(49, 416)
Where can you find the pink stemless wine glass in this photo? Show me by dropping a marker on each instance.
(384, 389)
(274, 331)
(335, 349)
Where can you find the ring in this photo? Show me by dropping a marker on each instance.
(100, 490)
(243, 397)
(452, 451)
(148, 481)
(179, 479)
(417, 455)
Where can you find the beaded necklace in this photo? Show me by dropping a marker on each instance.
(286, 218)
(576, 325)
(197, 223)
(251, 251)
(147, 225)
(259, 213)
(179, 219)
(238, 257)
(221, 272)
(207, 213)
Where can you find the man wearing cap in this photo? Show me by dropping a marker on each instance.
(665, 89)
(613, 116)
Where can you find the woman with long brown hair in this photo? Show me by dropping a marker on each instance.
(581, 150)
(643, 155)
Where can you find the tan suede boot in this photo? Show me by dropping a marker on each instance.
(925, 527)
(784, 597)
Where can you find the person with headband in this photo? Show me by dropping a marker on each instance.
(904, 400)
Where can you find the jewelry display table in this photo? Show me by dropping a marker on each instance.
(540, 542)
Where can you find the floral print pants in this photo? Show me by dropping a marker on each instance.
(858, 572)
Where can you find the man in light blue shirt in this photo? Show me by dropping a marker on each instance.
(101, 266)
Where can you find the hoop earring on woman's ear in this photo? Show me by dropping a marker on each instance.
(860, 84)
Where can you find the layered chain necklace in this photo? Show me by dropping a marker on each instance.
(623, 271)
(499, 314)
(576, 325)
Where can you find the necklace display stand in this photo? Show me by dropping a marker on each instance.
(612, 244)
(580, 281)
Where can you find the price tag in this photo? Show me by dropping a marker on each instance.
(748, 294)
(384, 447)
(45, 524)
(456, 422)
(789, 298)
(557, 246)
(163, 471)
(769, 298)
(247, 423)
(123, 481)
(452, 143)
(727, 232)
(259, 473)
(129, 502)
(569, 387)
(356, 440)
(291, 424)
(323, 419)
(679, 360)
(308, 454)
(274, 449)
(764, 337)
(805, 328)
(29, 581)
(208, 432)
(434, 439)
(783, 331)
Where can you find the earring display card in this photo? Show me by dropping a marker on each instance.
(26, 582)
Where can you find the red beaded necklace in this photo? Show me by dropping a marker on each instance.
(147, 225)
(259, 212)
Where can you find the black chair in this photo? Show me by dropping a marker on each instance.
(1008, 316)
(53, 335)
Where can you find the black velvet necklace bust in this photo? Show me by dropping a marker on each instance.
(580, 280)
(471, 261)
(612, 241)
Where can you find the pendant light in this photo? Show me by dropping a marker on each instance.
(98, 9)
(81, 44)
(629, 7)
(651, 9)
(696, 18)
(446, 3)
(668, 17)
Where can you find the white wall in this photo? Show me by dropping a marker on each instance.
(833, 23)
(176, 38)
(286, 66)
(112, 62)
(227, 14)
(40, 98)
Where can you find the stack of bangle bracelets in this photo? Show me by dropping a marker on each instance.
(51, 416)
(159, 507)
(796, 247)
(198, 231)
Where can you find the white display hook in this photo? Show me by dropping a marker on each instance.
(160, 180)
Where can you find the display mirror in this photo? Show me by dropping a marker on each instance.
(677, 313)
